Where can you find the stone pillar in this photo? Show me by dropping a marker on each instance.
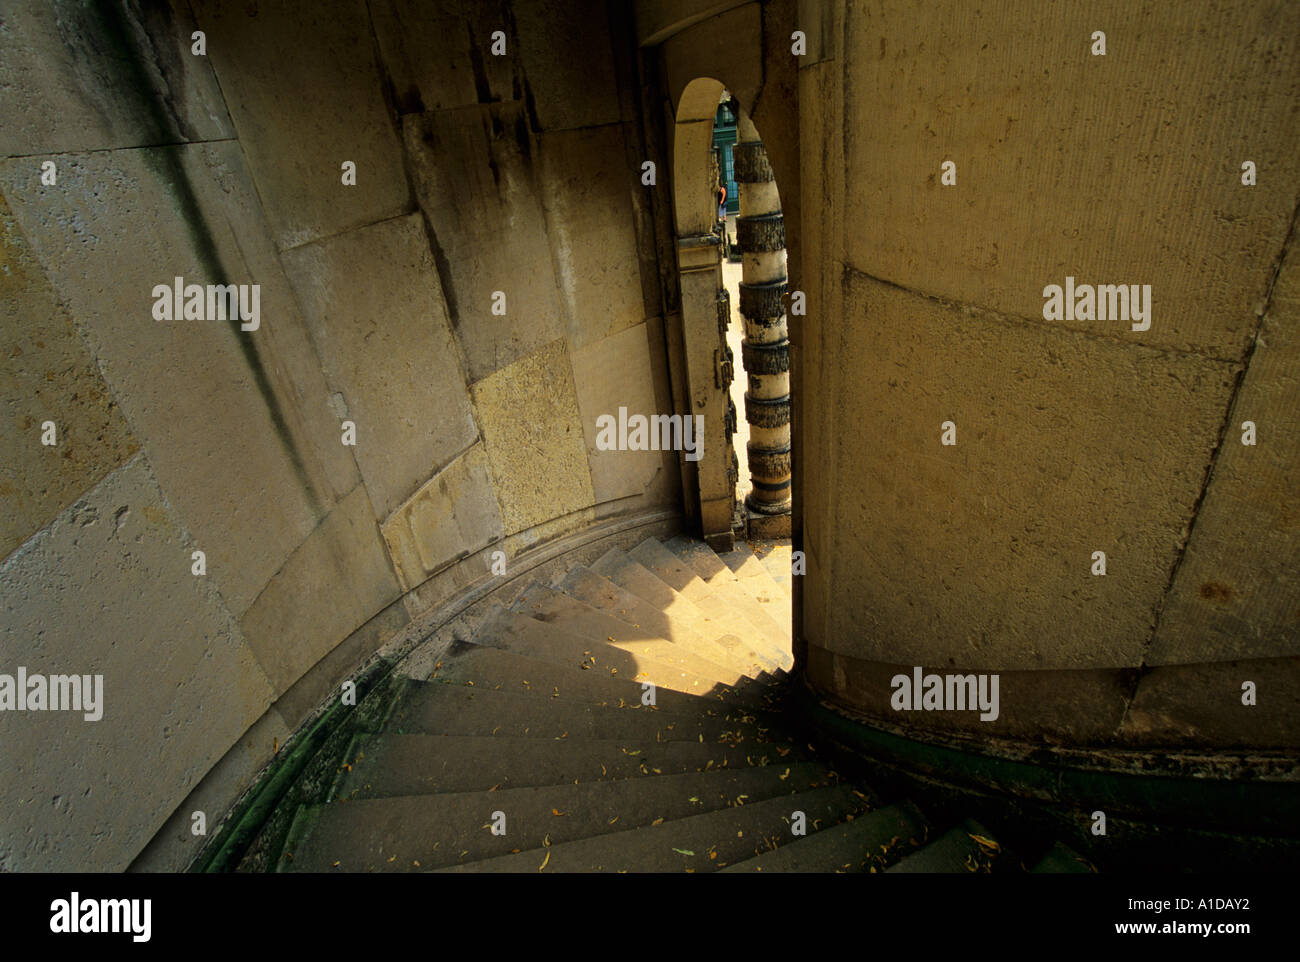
(760, 234)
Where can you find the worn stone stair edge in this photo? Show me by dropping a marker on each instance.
(426, 626)
(527, 606)
(679, 631)
(616, 562)
(749, 697)
(672, 665)
(578, 758)
(715, 789)
(837, 797)
(858, 839)
(417, 696)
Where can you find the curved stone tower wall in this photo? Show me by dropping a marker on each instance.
(474, 415)
(1075, 435)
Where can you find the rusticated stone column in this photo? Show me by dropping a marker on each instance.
(765, 351)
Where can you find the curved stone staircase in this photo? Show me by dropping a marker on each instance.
(623, 718)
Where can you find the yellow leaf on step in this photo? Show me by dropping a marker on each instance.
(544, 861)
(657, 821)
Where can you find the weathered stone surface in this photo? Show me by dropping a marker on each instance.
(981, 551)
(210, 404)
(438, 53)
(609, 374)
(726, 44)
(533, 437)
(1123, 168)
(760, 234)
(569, 91)
(107, 589)
(475, 179)
(379, 324)
(1237, 591)
(175, 845)
(585, 199)
(90, 76)
(303, 108)
(449, 518)
(332, 584)
(1201, 705)
(46, 374)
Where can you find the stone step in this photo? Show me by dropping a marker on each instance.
(390, 764)
(636, 578)
(728, 605)
(868, 843)
(706, 563)
(429, 708)
(431, 831)
(699, 843)
(500, 669)
(746, 566)
(776, 559)
(1063, 860)
(662, 662)
(599, 592)
(562, 610)
(955, 851)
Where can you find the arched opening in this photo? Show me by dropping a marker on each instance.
(733, 317)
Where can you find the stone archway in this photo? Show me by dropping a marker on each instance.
(705, 314)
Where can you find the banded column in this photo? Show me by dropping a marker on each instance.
(765, 351)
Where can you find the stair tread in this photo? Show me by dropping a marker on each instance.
(955, 851)
(391, 834)
(1063, 860)
(413, 764)
(487, 667)
(869, 842)
(728, 604)
(776, 559)
(685, 844)
(765, 592)
(636, 578)
(428, 707)
(649, 659)
(563, 609)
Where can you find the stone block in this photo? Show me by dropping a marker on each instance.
(450, 517)
(231, 423)
(1115, 169)
(305, 93)
(533, 437)
(475, 177)
(107, 589)
(982, 552)
(1237, 591)
(566, 56)
(588, 217)
(332, 584)
(377, 318)
(46, 374)
(609, 374)
(438, 53)
(93, 76)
